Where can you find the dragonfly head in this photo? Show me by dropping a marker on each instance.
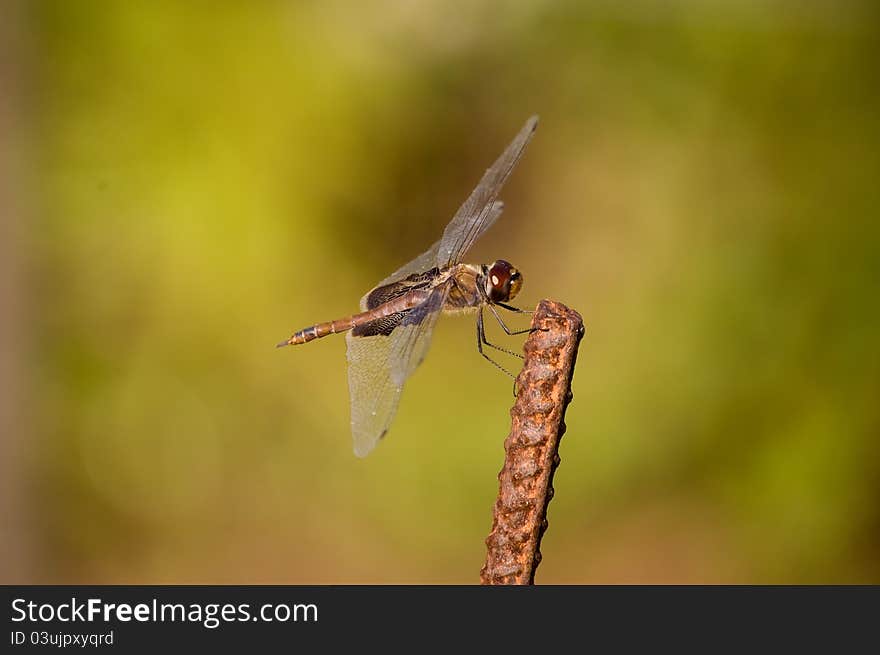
(503, 281)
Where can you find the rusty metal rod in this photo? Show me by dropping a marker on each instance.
(543, 390)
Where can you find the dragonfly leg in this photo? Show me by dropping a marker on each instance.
(515, 310)
(503, 326)
(492, 345)
(481, 340)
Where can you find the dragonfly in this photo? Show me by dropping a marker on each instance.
(389, 337)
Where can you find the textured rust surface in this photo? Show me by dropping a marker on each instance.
(543, 390)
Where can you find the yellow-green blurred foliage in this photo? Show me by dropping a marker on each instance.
(204, 178)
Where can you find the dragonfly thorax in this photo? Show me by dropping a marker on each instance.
(502, 281)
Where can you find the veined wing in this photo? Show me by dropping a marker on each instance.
(379, 365)
(476, 214)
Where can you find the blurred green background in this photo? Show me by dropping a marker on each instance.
(187, 183)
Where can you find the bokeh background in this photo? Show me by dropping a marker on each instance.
(184, 184)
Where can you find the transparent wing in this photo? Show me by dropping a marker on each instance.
(378, 367)
(476, 214)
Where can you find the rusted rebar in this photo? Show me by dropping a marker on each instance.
(543, 390)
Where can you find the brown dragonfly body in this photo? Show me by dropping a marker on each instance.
(389, 337)
(470, 287)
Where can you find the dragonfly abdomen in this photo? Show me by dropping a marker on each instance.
(400, 304)
(321, 330)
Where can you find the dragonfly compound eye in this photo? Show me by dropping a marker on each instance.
(503, 281)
